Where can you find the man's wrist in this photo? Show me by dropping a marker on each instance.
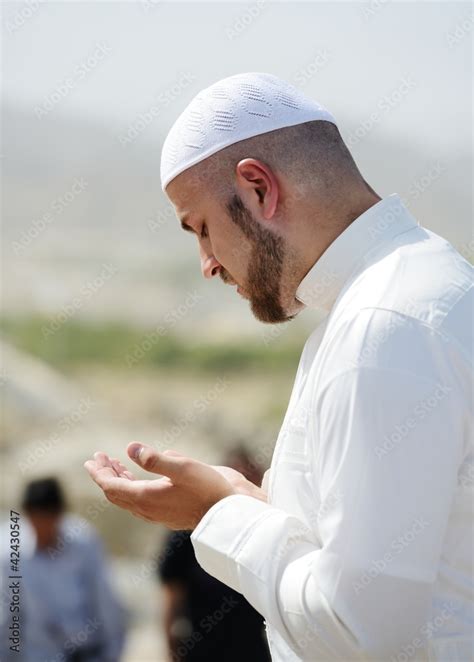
(249, 489)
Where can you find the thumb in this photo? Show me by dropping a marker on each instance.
(175, 453)
(165, 464)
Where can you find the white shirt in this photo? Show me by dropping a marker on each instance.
(363, 551)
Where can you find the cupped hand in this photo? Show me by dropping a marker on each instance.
(179, 499)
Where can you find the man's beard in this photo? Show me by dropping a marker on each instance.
(265, 265)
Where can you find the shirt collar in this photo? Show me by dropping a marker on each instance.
(380, 223)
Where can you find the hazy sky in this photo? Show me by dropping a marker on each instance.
(397, 76)
(409, 62)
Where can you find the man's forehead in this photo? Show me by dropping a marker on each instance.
(185, 208)
(182, 191)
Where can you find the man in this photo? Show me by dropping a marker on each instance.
(358, 547)
(68, 610)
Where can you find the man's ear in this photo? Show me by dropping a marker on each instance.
(258, 187)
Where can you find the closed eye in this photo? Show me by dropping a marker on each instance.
(186, 227)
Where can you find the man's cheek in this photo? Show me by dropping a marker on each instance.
(241, 253)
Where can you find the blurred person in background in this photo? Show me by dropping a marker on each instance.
(205, 620)
(68, 609)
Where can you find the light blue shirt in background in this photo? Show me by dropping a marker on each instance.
(66, 599)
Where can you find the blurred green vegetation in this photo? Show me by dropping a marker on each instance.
(115, 344)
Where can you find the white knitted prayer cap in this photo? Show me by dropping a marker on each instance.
(231, 110)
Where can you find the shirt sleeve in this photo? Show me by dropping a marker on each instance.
(356, 583)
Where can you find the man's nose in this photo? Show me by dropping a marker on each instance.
(210, 266)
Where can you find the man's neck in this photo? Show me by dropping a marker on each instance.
(330, 222)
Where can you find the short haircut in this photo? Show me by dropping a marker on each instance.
(44, 495)
(313, 155)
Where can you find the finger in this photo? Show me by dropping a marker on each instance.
(95, 466)
(151, 460)
(116, 466)
(173, 453)
(102, 459)
(110, 483)
(121, 469)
